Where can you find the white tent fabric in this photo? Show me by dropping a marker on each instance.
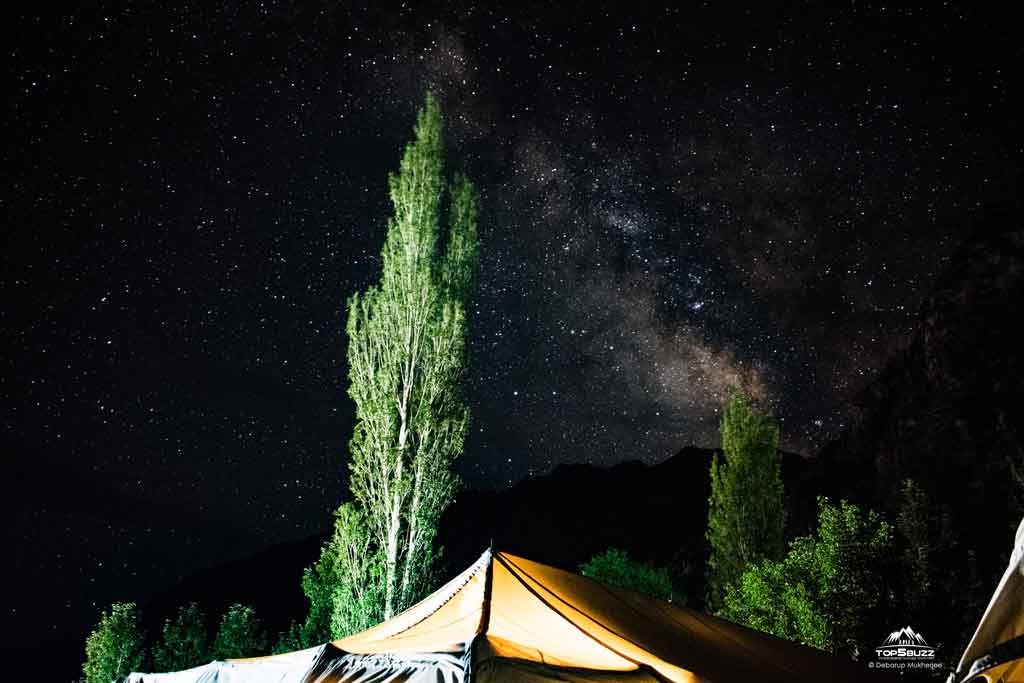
(996, 652)
(507, 619)
(287, 668)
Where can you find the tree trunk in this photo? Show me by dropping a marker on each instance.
(412, 542)
(391, 587)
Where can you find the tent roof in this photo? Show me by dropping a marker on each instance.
(530, 612)
(990, 650)
(512, 620)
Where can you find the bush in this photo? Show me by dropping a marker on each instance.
(824, 590)
(615, 568)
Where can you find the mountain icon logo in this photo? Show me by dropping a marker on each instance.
(905, 636)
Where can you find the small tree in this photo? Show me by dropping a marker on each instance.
(746, 512)
(318, 583)
(290, 640)
(184, 643)
(240, 634)
(343, 586)
(825, 589)
(615, 568)
(356, 596)
(114, 648)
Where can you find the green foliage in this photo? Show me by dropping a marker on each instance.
(114, 648)
(356, 595)
(290, 640)
(407, 358)
(825, 588)
(318, 585)
(615, 568)
(184, 643)
(777, 597)
(239, 635)
(342, 586)
(746, 513)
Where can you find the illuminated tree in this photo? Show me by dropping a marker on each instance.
(824, 590)
(114, 648)
(746, 512)
(407, 358)
(184, 641)
(239, 635)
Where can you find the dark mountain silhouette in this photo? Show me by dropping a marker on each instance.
(949, 411)
(657, 513)
(269, 581)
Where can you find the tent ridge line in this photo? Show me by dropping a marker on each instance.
(485, 613)
(443, 603)
(485, 608)
(514, 570)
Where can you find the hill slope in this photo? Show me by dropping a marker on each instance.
(656, 512)
(949, 411)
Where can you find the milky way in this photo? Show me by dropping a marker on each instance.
(672, 204)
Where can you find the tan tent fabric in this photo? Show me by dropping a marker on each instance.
(680, 644)
(524, 626)
(507, 619)
(443, 622)
(991, 656)
(527, 612)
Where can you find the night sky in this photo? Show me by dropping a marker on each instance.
(673, 201)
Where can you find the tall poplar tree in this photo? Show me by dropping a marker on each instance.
(746, 510)
(407, 358)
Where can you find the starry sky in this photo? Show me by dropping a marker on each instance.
(674, 200)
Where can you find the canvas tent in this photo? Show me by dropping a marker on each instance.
(996, 651)
(512, 620)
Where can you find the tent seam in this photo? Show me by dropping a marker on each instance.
(514, 570)
(637, 611)
(436, 609)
